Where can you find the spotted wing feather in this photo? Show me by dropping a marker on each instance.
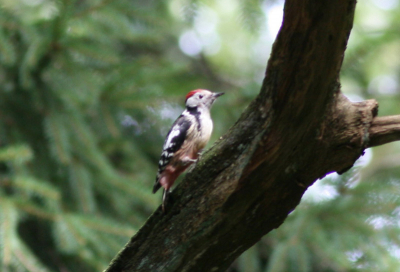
(173, 142)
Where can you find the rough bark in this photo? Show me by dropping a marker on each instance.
(298, 129)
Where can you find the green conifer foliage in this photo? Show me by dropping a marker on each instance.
(74, 182)
(88, 90)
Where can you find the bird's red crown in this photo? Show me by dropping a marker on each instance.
(191, 93)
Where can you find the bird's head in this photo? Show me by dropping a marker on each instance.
(201, 98)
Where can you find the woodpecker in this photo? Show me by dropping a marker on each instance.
(188, 135)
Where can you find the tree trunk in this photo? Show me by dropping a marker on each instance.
(298, 129)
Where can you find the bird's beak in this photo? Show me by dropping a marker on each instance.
(217, 94)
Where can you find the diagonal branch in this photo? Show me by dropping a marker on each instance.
(298, 129)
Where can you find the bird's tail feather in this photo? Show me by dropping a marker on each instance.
(156, 186)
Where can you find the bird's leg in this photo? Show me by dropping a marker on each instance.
(165, 200)
(200, 153)
(187, 160)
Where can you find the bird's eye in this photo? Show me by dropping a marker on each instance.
(200, 96)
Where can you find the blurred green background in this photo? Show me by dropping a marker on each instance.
(89, 89)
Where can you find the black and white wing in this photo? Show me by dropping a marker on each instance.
(173, 142)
